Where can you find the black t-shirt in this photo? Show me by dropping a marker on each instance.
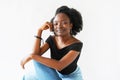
(59, 53)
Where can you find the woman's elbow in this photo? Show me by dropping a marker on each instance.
(60, 67)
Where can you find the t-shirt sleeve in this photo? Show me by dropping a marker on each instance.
(48, 40)
(77, 47)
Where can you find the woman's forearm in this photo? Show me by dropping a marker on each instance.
(48, 62)
(37, 44)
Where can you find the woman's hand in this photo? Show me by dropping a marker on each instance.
(25, 60)
(46, 25)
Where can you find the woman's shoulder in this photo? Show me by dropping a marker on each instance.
(77, 40)
(51, 36)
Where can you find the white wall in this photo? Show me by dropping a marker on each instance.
(19, 20)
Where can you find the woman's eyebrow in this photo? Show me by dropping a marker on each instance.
(61, 20)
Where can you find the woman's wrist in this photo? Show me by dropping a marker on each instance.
(38, 37)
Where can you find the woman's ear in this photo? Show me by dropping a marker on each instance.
(71, 25)
(52, 24)
(52, 27)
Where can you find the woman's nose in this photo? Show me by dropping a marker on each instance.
(59, 25)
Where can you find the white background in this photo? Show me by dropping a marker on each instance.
(20, 19)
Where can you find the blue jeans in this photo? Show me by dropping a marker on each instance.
(76, 75)
(43, 72)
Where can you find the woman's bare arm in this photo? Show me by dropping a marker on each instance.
(37, 48)
(57, 64)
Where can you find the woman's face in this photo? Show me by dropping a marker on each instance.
(62, 25)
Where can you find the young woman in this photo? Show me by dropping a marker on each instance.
(64, 47)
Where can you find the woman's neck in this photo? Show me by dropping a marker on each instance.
(63, 39)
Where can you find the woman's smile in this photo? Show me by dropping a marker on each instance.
(60, 30)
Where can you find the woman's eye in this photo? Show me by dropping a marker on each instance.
(55, 24)
(64, 22)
